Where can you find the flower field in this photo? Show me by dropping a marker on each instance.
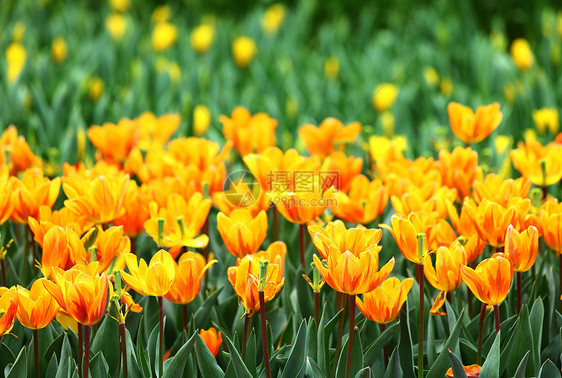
(280, 190)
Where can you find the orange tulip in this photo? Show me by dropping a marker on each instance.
(351, 274)
(102, 200)
(400, 176)
(383, 304)
(490, 219)
(338, 170)
(114, 141)
(8, 309)
(241, 195)
(33, 191)
(521, 248)
(424, 200)
(405, 230)
(460, 169)
(471, 371)
(446, 275)
(37, 307)
(6, 187)
(158, 190)
(473, 244)
(551, 223)
(384, 150)
(364, 203)
(212, 339)
(336, 237)
(241, 233)
(491, 279)
(62, 248)
(154, 163)
(198, 152)
(190, 269)
(183, 221)
(528, 158)
(81, 292)
(111, 246)
(154, 279)
(136, 211)
(471, 127)
(64, 218)
(303, 206)
(20, 156)
(496, 189)
(249, 134)
(156, 130)
(243, 279)
(321, 140)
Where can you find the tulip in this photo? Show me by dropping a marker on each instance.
(445, 276)
(383, 304)
(471, 371)
(473, 245)
(59, 50)
(521, 54)
(8, 309)
(96, 87)
(33, 191)
(241, 233)
(550, 221)
(240, 195)
(62, 248)
(546, 118)
(64, 218)
(322, 140)
(542, 165)
(136, 211)
(164, 36)
(243, 50)
(273, 18)
(383, 149)
(212, 339)
(249, 134)
(114, 141)
(471, 127)
(201, 38)
(460, 170)
(384, 96)
(20, 155)
(16, 55)
(494, 188)
(111, 245)
(338, 170)
(163, 13)
(331, 68)
(364, 203)
(6, 187)
(420, 200)
(116, 25)
(201, 119)
(490, 220)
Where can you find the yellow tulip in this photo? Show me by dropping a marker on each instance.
(154, 279)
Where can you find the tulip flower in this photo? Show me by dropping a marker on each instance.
(460, 170)
(6, 187)
(111, 245)
(472, 243)
(62, 248)
(8, 309)
(201, 119)
(273, 18)
(384, 150)
(20, 155)
(383, 304)
(241, 233)
(542, 165)
(490, 219)
(445, 275)
(420, 200)
(212, 339)
(322, 140)
(249, 134)
(384, 96)
(116, 25)
(473, 127)
(496, 189)
(201, 38)
(471, 371)
(241, 195)
(33, 191)
(243, 50)
(164, 36)
(546, 119)
(364, 203)
(156, 131)
(550, 217)
(521, 54)
(338, 170)
(64, 218)
(114, 141)
(136, 211)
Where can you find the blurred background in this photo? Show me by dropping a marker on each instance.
(391, 65)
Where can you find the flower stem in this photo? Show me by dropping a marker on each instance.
(317, 308)
(245, 335)
(301, 237)
(421, 321)
(86, 350)
(264, 334)
(341, 306)
(36, 352)
(384, 348)
(497, 316)
(480, 333)
(123, 341)
(80, 343)
(161, 319)
(3, 272)
(518, 275)
(351, 333)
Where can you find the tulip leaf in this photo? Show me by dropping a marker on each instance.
(491, 367)
(405, 343)
(324, 330)
(520, 373)
(176, 364)
(305, 295)
(6, 357)
(549, 370)
(236, 361)
(456, 365)
(152, 348)
(364, 373)
(19, 367)
(452, 319)
(356, 357)
(311, 338)
(106, 340)
(251, 354)
(536, 319)
(374, 349)
(394, 368)
(98, 366)
(441, 364)
(205, 360)
(312, 369)
(523, 342)
(203, 312)
(430, 338)
(297, 356)
(66, 361)
(52, 366)
(133, 366)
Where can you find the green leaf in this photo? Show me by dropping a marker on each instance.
(431, 349)
(133, 366)
(394, 368)
(537, 320)
(205, 360)
(523, 342)
(549, 370)
(456, 365)
(52, 367)
(98, 366)
(405, 343)
(356, 357)
(202, 314)
(452, 319)
(311, 338)
(324, 330)
(364, 373)
(236, 361)
(19, 367)
(441, 364)
(6, 357)
(312, 369)
(106, 340)
(67, 364)
(297, 357)
(176, 364)
(251, 354)
(520, 373)
(374, 349)
(491, 367)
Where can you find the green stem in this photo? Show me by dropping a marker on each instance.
(264, 334)
(480, 333)
(36, 352)
(518, 275)
(80, 344)
(245, 335)
(123, 340)
(421, 322)
(161, 319)
(317, 308)
(497, 316)
(341, 306)
(184, 318)
(3, 272)
(385, 347)
(86, 350)
(351, 333)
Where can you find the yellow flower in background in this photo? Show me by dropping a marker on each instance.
(59, 50)
(116, 25)
(162, 13)
(521, 54)
(473, 127)
(120, 5)
(431, 76)
(502, 143)
(164, 36)
(16, 55)
(201, 38)
(384, 96)
(446, 86)
(95, 88)
(387, 120)
(510, 92)
(546, 118)
(243, 50)
(273, 18)
(331, 67)
(384, 149)
(201, 120)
